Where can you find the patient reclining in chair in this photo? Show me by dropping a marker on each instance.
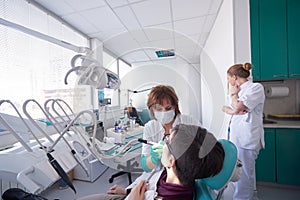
(189, 153)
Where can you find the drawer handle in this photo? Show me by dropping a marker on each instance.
(295, 74)
(279, 75)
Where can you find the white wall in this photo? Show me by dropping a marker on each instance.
(218, 55)
(229, 35)
(184, 78)
(242, 44)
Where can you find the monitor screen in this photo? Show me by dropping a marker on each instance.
(101, 98)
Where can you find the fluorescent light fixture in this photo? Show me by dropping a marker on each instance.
(165, 53)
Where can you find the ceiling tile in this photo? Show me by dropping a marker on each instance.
(165, 26)
(147, 46)
(103, 18)
(134, 1)
(185, 44)
(121, 44)
(158, 34)
(194, 38)
(151, 53)
(98, 34)
(185, 41)
(127, 17)
(152, 12)
(117, 3)
(79, 5)
(113, 33)
(190, 26)
(163, 44)
(108, 35)
(80, 23)
(139, 36)
(52, 5)
(189, 8)
(136, 56)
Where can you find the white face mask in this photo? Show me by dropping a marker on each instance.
(164, 117)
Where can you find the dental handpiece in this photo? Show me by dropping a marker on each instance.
(146, 142)
(150, 176)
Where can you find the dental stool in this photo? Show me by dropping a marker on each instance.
(212, 188)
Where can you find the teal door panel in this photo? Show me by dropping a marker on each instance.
(254, 31)
(288, 156)
(273, 39)
(293, 30)
(265, 163)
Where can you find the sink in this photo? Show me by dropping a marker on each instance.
(267, 121)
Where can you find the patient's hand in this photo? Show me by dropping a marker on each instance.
(138, 192)
(116, 190)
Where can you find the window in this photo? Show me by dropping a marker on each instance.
(124, 68)
(32, 68)
(110, 62)
(119, 67)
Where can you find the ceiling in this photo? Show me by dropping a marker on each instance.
(134, 29)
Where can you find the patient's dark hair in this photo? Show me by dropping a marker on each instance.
(190, 167)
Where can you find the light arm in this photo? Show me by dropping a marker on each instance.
(237, 106)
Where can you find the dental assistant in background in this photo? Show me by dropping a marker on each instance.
(164, 110)
(245, 105)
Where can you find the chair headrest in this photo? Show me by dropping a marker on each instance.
(220, 180)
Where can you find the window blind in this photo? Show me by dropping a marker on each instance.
(32, 68)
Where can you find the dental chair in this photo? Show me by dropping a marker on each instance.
(212, 188)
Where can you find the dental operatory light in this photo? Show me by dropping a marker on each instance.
(90, 72)
(165, 53)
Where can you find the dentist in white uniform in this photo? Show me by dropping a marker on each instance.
(163, 105)
(246, 103)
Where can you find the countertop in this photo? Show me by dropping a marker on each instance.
(283, 124)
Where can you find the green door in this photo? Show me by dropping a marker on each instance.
(273, 39)
(265, 163)
(288, 156)
(293, 25)
(254, 29)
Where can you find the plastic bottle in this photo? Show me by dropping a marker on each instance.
(116, 127)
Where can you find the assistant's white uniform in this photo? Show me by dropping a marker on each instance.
(154, 131)
(247, 133)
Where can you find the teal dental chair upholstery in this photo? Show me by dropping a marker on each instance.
(218, 183)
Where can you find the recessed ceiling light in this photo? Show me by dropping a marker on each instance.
(165, 53)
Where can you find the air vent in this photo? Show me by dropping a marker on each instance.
(165, 53)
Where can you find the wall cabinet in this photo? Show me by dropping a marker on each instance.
(287, 156)
(275, 41)
(279, 161)
(255, 51)
(266, 161)
(293, 29)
